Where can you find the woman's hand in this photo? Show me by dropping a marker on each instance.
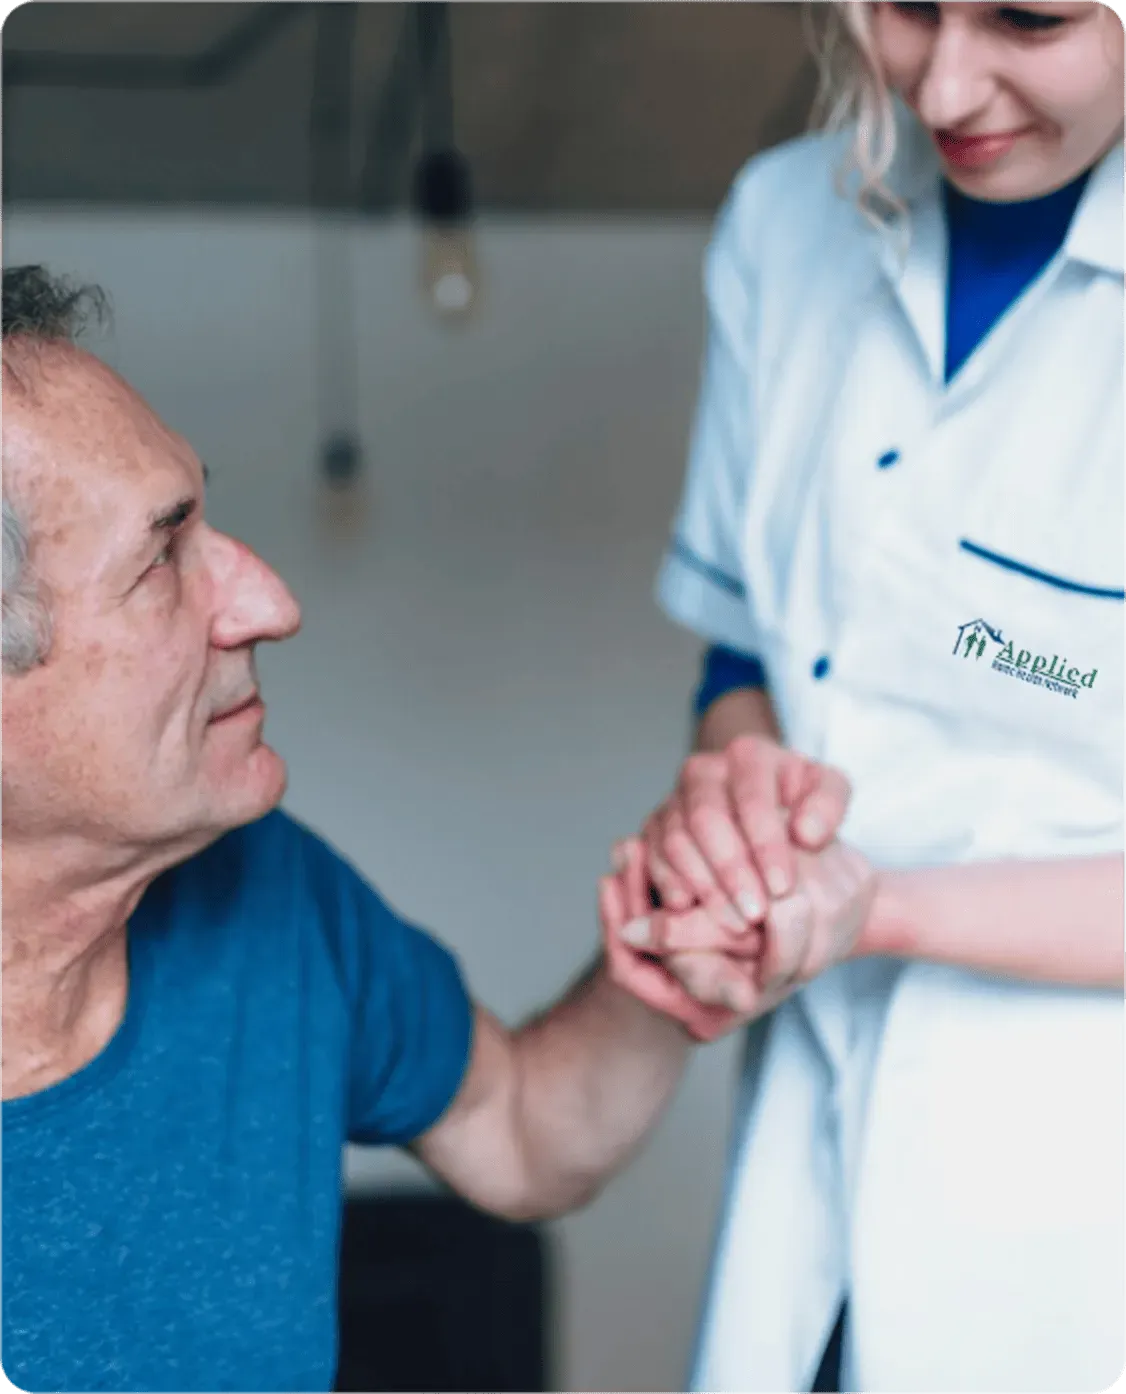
(690, 966)
(728, 836)
(813, 928)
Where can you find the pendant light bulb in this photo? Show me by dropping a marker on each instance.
(444, 205)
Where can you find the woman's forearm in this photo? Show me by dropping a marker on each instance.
(745, 711)
(1044, 921)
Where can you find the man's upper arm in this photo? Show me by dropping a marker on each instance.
(476, 1146)
(426, 1067)
(409, 1016)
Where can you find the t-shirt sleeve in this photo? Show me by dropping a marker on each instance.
(702, 584)
(411, 1016)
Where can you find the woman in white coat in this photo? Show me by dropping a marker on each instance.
(902, 538)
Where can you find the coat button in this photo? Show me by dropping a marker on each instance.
(821, 667)
(887, 459)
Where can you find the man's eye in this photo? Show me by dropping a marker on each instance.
(167, 554)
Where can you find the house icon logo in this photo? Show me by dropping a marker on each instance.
(972, 635)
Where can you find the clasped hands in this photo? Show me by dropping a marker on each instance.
(737, 892)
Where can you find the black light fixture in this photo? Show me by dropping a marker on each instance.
(442, 192)
(332, 195)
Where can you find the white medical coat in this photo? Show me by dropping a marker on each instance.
(945, 1147)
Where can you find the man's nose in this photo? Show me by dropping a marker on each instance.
(956, 82)
(253, 602)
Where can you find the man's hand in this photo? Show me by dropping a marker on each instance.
(726, 979)
(624, 904)
(728, 836)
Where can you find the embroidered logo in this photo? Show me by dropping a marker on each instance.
(1055, 675)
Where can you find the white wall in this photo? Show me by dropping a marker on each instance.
(484, 694)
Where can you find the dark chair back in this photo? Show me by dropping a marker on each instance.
(437, 1297)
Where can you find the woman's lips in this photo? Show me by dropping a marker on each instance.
(974, 152)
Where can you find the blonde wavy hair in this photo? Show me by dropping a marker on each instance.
(853, 94)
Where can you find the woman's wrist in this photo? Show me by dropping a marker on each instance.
(889, 930)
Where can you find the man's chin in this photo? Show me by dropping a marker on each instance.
(274, 778)
(256, 789)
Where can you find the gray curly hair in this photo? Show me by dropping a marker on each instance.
(38, 309)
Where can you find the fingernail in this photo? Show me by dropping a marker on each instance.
(750, 905)
(618, 859)
(777, 881)
(635, 933)
(812, 828)
(731, 919)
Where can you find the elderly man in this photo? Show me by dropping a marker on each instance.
(202, 1001)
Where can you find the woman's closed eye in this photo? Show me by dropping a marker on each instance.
(1017, 19)
(926, 13)
(1028, 21)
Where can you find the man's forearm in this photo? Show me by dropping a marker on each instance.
(598, 1068)
(595, 1072)
(1045, 921)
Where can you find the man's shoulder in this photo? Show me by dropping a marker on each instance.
(275, 894)
(278, 867)
(275, 869)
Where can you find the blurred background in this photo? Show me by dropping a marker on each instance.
(421, 283)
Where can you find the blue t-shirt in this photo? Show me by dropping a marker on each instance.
(994, 253)
(171, 1212)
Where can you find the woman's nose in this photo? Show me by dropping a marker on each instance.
(956, 82)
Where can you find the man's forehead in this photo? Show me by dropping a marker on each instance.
(93, 466)
(80, 423)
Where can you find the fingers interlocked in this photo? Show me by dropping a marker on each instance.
(755, 896)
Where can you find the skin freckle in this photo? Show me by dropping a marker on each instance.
(94, 661)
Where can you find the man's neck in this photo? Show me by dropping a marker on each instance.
(65, 963)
